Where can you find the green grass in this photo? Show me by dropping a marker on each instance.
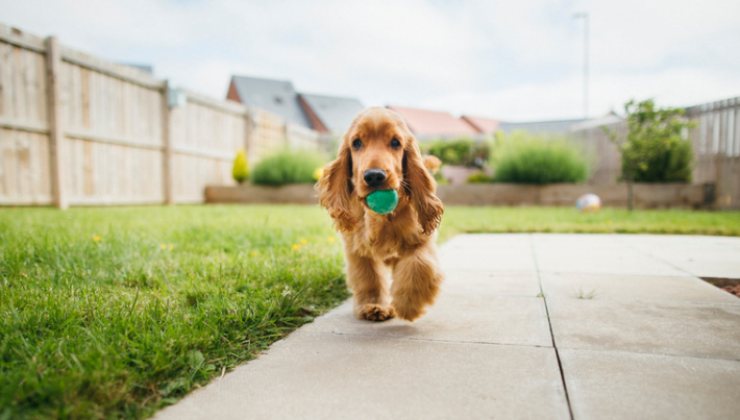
(114, 312)
(565, 219)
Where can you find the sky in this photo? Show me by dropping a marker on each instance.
(510, 60)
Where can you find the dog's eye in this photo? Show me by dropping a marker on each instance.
(356, 144)
(395, 143)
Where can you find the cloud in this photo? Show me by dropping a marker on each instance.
(515, 60)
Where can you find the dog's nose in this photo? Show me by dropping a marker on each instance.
(374, 177)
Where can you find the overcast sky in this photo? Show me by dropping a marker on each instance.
(513, 60)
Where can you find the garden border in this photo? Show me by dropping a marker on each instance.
(646, 195)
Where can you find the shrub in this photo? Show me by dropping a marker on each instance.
(478, 177)
(528, 159)
(240, 170)
(287, 167)
(655, 149)
(463, 152)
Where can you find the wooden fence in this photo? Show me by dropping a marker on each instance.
(77, 130)
(716, 143)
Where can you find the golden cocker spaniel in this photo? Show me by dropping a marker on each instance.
(378, 152)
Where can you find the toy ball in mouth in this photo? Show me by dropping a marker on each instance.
(382, 201)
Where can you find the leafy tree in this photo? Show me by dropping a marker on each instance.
(655, 148)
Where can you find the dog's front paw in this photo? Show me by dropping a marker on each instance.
(375, 312)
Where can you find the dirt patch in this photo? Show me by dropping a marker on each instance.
(735, 290)
(728, 285)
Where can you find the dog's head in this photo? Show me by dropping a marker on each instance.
(378, 152)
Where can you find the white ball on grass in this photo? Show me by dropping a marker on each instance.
(588, 203)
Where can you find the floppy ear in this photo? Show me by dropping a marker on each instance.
(335, 187)
(421, 188)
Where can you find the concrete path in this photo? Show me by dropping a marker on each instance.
(527, 326)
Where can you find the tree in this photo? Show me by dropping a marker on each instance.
(655, 148)
(240, 170)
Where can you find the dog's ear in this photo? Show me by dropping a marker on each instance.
(335, 188)
(421, 188)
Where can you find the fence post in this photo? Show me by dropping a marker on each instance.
(167, 178)
(286, 136)
(249, 126)
(56, 125)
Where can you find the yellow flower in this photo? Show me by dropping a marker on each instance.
(96, 238)
(318, 173)
(303, 242)
(296, 247)
(331, 239)
(162, 246)
(253, 253)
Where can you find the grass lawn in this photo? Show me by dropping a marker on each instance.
(114, 312)
(564, 219)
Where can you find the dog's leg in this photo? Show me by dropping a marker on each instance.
(416, 280)
(366, 279)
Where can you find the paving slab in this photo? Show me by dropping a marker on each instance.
(633, 288)
(491, 283)
(489, 261)
(620, 385)
(470, 319)
(331, 376)
(702, 256)
(589, 257)
(699, 330)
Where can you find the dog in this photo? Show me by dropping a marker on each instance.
(378, 152)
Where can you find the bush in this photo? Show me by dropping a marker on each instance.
(655, 149)
(240, 170)
(528, 159)
(464, 152)
(479, 177)
(287, 167)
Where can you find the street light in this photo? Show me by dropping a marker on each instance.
(584, 16)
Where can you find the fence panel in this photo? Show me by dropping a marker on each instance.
(24, 138)
(302, 138)
(113, 134)
(102, 133)
(205, 136)
(267, 135)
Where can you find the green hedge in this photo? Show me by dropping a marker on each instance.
(287, 167)
(530, 159)
(464, 152)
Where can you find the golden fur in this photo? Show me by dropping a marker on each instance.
(400, 244)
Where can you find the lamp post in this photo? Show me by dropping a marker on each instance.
(584, 16)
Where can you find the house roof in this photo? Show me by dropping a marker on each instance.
(551, 126)
(276, 96)
(427, 123)
(481, 124)
(335, 112)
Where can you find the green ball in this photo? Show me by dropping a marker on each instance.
(382, 201)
